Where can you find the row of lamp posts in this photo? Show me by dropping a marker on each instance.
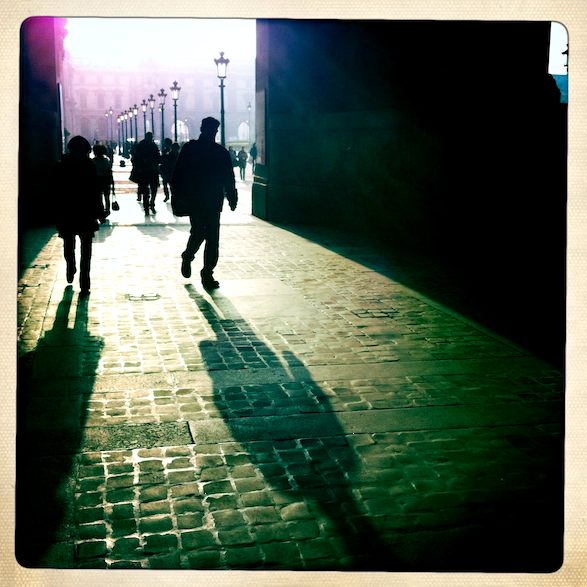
(125, 119)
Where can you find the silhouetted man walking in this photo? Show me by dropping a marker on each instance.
(146, 171)
(202, 178)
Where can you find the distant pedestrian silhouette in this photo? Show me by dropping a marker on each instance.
(146, 171)
(242, 162)
(168, 161)
(78, 207)
(233, 157)
(103, 167)
(202, 178)
(253, 154)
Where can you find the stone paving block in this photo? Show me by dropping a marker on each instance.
(243, 557)
(165, 561)
(181, 506)
(124, 547)
(123, 527)
(255, 498)
(121, 512)
(197, 539)
(204, 560)
(97, 548)
(155, 525)
(222, 502)
(91, 514)
(157, 543)
(261, 515)
(316, 549)
(271, 533)
(285, 555)
(92, 531)
(185, 490)
(189, 521)
(235, 537)
(228, 519)
(152, 508)
(295, 511)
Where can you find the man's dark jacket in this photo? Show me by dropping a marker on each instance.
(202, 177)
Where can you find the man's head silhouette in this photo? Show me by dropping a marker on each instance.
(79, 146)
(209, 127)
(149, 136)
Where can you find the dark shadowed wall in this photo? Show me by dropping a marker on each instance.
(40, 141)
(445, 139)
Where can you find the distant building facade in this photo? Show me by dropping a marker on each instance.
(90, 92)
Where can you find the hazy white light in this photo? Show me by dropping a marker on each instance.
(558, 43)
(125, 43)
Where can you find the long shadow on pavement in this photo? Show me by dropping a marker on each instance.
(302, 456)
(54, 385)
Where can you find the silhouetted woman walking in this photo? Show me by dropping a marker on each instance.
(78, 207)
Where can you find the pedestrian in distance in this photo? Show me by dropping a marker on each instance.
(253, 154)
(146, 171)
(233, 157)
(78, 205)
(105, 179)
(202, 178)
(168, 161)
(242, 162)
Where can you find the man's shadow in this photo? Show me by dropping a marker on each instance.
(54, 385)
(314, 464)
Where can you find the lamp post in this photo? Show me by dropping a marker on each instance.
(118, 132)
(144, 109)
(249, 123)
(175, 97)
(221, 65)
(152, 107)
(135, 111)
(111, 114)
(107, 131)
(162, 95)
(125, 114)
(130, 115)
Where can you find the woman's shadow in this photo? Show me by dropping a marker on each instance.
(55, 382)
(318, 468)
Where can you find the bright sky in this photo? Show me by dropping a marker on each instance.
(558, 43)
(130, 41)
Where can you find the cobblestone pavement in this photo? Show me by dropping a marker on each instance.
(313, 413)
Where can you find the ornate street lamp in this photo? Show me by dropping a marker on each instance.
(144, 109)
(118, 132)
(135, 111)
(175, 97)
(107, 128)
(249, 123)
(125, 114)
(152, 107)
(111, 114)
(221, 65)
(130, 115)
(162, 95)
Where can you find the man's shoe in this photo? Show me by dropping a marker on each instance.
(186, 268)
(153, 209)
(209, 282)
